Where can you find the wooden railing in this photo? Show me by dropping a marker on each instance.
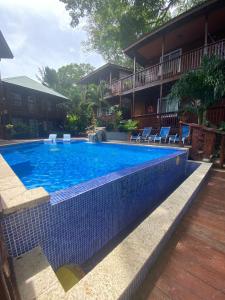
(206, 143)
(157, 120)
(167, 70)
(216, 115)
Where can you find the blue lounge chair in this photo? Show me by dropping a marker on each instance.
(142, 136)
(163, 135)
(185, 131)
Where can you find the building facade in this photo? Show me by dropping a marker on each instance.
(30, 109)
(162, 56)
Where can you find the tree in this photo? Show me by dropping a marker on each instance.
(114, 24)
(65, 79)
(48, 77)
(200, 89)
(83, 100)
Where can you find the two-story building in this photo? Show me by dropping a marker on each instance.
(5, 53)
(164, 55)
(29, 105)
(108, 73)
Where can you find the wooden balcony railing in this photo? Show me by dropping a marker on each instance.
(156, 120)
(215, 115)
(167, 70)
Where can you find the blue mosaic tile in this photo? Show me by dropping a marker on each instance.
(80, 220)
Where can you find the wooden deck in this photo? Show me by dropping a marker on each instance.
(193, 265)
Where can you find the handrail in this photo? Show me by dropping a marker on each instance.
(156, 114)
(187, 61)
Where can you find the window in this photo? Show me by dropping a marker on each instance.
(16, 121)
(169, 106)
(16, 99)
(104, 111)
(172, 62)
(49, 106)
(33, 124)
(31, 102)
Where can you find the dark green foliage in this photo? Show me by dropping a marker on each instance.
(83, 100)
(200, 89)
(128, 126)
(114, 24)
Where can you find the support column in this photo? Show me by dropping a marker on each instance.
(206, 35)
(161, 84)
(133, 100)
(110, 78)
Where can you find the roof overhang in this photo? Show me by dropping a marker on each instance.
(187, 26)
(5, 51)
(30, 84)
(103, 72)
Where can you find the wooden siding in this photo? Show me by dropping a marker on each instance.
(40, 110)
(193, 263)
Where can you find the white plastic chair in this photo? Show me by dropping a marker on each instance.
(66, 137)
(51, 138)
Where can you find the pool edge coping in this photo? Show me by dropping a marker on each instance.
(14, 195)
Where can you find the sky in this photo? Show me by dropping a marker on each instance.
(39, 34)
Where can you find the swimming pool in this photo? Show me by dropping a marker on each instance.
(62, 165)
(100, 191)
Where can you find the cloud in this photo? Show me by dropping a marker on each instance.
(39, 34)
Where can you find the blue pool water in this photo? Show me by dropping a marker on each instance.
(58, 166)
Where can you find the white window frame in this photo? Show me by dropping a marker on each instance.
(168, 106)
(169, 54)
(105, 111)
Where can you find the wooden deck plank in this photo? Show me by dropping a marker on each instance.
(193, 265)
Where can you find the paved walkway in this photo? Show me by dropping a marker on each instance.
(11, 142)
(193, 265)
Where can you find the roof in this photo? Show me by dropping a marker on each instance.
(105, 68)
(5, 51)
(197, 10)
(29, 83)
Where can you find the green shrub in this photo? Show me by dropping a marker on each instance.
(128, 125)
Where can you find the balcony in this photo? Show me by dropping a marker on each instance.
(166, 71)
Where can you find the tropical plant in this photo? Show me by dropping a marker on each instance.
(83, 101)
(128, 125)
(198, 90)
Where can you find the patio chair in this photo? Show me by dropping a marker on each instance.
(51, 138)
(185, 132)
(163, 135)
(67, 137)
(142, 136)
